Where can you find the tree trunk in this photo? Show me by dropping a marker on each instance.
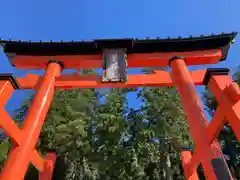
(168, 168)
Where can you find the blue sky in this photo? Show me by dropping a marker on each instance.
(88, 19)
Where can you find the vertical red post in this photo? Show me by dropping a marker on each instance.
(7, 86)
(6, 91)
(47, 172)
(227, 94)
(20, 156)
(186, 156)
(211, 157)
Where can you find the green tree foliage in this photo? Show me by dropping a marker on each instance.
(97, 137)
(4, 148)
(164, 122)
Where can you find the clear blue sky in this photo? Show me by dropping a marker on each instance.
(88, 19)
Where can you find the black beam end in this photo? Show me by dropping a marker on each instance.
(214, 71)
(186, 148)
(58, 62)
(225, 50)
(52, 150)
(174, 58)
(10, 77)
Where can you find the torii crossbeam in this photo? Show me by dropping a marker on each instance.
(114, 56)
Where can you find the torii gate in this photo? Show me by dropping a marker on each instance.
(114, 56)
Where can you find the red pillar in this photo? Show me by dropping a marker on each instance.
(20, 156)
(211, 157)
(47, 172)
(186, 157)
(6, 91)
(227, 94)
(8, 84)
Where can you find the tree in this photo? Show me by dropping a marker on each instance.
(110, 136)
(4, 148)
(166, 124)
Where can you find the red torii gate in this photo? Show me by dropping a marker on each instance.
(176, 53)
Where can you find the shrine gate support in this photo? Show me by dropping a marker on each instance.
(114, 56)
